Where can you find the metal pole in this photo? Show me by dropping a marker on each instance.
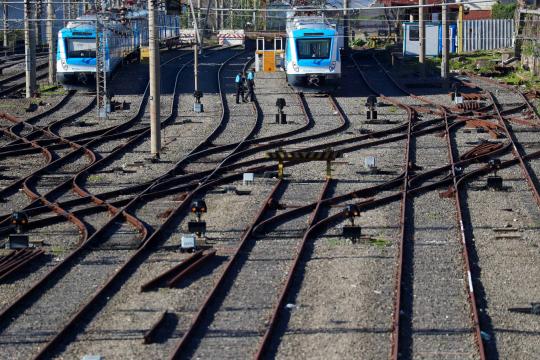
(231, 14)
(198, 11)
(254, 17)
(460, 28)
(153, 47)
(37, 24)
(444, 63)
(52, 43)
(5, 25)
(65, 14)
(198, 38)
(196, 67)
(29, 51)
(422, 33)
(216, 15)
(221, 15)
(346, 24)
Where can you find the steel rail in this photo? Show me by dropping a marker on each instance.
(144, 249)
(398, 297)
(286, 288)
(465, 243)
(21, 74)
(459, 210)
(7, 313)
(204, 308)
(17, 86)
(515, 150)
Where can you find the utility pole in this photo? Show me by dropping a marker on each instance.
(422, 35)
(52, 43)
(5, 23)
(29, 50)
(153, 47)
(101, 65)
(444, 63)
(197, 106)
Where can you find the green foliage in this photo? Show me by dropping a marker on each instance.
(503, 11)
(530, 48)
(94, 178)
(47, 90)
(358, 43)
(380, 241)
(487, 68)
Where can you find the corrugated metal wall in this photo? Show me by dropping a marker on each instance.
(487, 34)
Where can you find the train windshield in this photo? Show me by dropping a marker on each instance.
(313, 48)
(81, 48)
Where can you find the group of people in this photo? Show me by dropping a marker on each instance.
(245, 81)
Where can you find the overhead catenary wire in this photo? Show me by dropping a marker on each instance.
(319, 9)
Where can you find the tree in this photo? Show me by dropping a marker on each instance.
(503, 11)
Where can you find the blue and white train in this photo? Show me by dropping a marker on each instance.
(123, 38)
(312, 52)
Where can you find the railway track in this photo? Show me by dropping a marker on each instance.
(149, 208)
(498, 117)
(416, 269)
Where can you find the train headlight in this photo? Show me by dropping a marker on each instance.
(332, 66)
(64, 65)
(295, 67)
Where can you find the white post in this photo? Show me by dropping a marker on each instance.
(51, 39)
(444, 63)
(5, 23)
(422, 33)
(29, 50)
(153, 47)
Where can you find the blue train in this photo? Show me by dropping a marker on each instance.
(123, 38)
(312, 52)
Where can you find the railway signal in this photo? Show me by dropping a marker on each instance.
(456, 94)
(18, 240)
(198, 227)
(494, 181)
(371, 107)
(352, 231)
(281, 117)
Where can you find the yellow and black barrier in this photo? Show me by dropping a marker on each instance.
(281, 155)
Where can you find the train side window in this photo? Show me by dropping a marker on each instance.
(414, 33)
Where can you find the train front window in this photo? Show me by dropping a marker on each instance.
(81, 48)
(313, 48)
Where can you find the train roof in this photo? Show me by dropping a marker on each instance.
(310, 22)
(86, 23)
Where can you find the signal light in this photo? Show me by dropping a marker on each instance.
(352, 210)
(19, 219)
(198, 206)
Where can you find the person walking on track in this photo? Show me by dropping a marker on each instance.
(250, 84)
(239, 80)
